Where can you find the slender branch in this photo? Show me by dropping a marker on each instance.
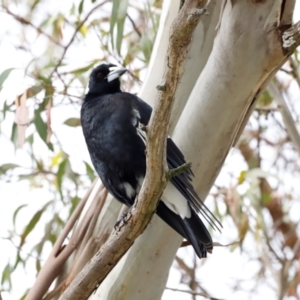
(286, 115)
(179, 170)
(295, 72)
(156, 176)
(134, 25)
(60, 253)
(74, 35)
(192, 293)
(26, 22)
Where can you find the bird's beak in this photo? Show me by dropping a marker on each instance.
(115, 72)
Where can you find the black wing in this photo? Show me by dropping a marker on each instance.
(175, 158)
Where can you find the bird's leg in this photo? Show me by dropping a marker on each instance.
(122, 221)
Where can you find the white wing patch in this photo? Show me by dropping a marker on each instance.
(175, 201)
(130, 192)
(135, 118)
(141, 134)
(171, 196)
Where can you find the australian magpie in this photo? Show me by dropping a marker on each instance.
(111, 121)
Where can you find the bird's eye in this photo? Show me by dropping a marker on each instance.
(100, 75)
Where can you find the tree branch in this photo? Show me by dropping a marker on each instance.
(286, 115)
(177, 171)
(74, 35)
(156, 176)
(26, 22)
(192, 293)
(291, 38)
(60, 253)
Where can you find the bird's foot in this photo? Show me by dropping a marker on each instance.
(125, 217)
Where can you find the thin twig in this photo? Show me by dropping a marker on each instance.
(295, 71)
(74, 35)
(179, 170)
(286, 115)
(134, 26)
(26, 22)
(60, 253)
(193, 293)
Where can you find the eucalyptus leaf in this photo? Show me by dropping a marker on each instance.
(4, 75)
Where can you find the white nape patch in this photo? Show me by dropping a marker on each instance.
(130, 192)
(135, 118)
(175, 201)
(141, 133)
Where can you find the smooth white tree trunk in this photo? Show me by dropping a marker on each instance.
(234, 62)
(139, 267)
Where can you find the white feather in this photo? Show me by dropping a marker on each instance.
(135, 117)
(129, 189)
(141, 134)
(175, 201)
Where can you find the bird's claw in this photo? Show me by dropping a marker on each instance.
(126, 216)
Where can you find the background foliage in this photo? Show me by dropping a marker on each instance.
(47, 52)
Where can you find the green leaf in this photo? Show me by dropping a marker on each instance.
(35, 3)
(74, 202)
(146, 47)
(9, 166)
(266, 198)
(4, 75)
(41, 128)
(6, 275)
(60, 174)
(73, 122)
(14, 134)
(32, 223)
(6, 108)
(80, 8)
(90, 171)
(37, 265)
(120, 25)
(72, 10)
(84, 69)
(18, 260)
(16, 213)
(113, 19)
(34, 90)
(118, 16)
(264, 100)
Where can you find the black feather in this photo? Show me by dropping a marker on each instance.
(110, 121)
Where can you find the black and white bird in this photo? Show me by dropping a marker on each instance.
(111, 122)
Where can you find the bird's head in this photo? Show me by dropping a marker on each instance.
(105, 79)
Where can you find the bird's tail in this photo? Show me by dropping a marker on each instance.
(197, 234)
(192, 229)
